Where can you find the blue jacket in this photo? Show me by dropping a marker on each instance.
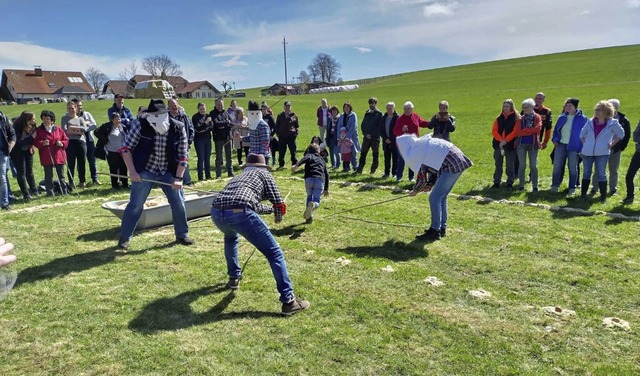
(578, 122)
(126, 117)
(598, 146)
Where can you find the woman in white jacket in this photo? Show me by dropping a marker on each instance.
(598, 137)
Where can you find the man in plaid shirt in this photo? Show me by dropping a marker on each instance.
(259, 136)
(236, 210)
(155, 149)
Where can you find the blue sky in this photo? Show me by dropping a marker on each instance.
(241, 41)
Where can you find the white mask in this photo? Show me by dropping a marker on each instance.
(253, 118)
(159, 122)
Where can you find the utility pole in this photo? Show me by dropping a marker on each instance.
(284, 44)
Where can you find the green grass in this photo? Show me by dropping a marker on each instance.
(82, 307)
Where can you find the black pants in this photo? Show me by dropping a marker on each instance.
(374, 145)
(77, 152)
(223, 145)
(48, 179)
(23, 161)
(91, 159)
(117, 167)
(239, 153)
(390, 159)
(285, 143)
(634, 165)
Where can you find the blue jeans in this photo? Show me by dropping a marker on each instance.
(249, 224)
(601, 166)
(314, 187)
(438, 198)
(562, 155)
(140, 192)
(334, 152)
(203, 151)
(354, 158)
(4, 180)
(400, 169)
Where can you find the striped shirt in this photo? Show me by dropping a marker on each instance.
(248, 189)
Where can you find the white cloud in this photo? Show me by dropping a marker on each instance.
(268, 64)
(21, 55)
(439, 9)
(633, 4)
(234, 62)
(363, 50)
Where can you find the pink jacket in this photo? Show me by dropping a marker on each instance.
(345, 145)
(47, 153)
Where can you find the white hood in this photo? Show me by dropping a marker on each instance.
(253, 119)
(425, 150)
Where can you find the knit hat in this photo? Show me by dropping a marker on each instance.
(573, 101)
(343, 129)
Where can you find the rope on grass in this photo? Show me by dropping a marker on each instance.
(377, 222)
(483, 199)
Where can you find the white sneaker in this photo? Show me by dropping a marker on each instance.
(571, 192)
(309, 210)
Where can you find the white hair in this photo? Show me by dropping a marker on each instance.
(615, 103)
(408, 104)
(528, 102)
(392, 104)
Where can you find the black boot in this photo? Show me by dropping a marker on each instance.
(584, 189)
(603, 191)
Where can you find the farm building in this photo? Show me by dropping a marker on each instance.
(199, 90)
(25, 85)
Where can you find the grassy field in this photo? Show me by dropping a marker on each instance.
(82, 307)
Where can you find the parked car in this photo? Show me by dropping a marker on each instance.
(105, 96)
(240, 94)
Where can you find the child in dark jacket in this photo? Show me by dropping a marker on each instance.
(316, 179)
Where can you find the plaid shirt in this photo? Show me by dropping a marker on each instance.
(454, 162)
(158, 163)
(259, 139)
(248, 189)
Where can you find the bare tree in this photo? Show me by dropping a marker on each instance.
(304, 76)
(129, 71)
(96, 78)
(314, 72)
(325, 67)
(161, 66)
(226, 86)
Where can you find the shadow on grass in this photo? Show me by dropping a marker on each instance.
(175, 313)
(394, 250)
(293, 231)
(77, 263)
(109, 234)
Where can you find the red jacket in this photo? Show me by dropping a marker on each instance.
(413, 123)
(47, 153)
(534, 131)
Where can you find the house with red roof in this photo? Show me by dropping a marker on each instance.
(21, 85)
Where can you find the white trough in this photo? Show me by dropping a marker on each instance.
(157, 211)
